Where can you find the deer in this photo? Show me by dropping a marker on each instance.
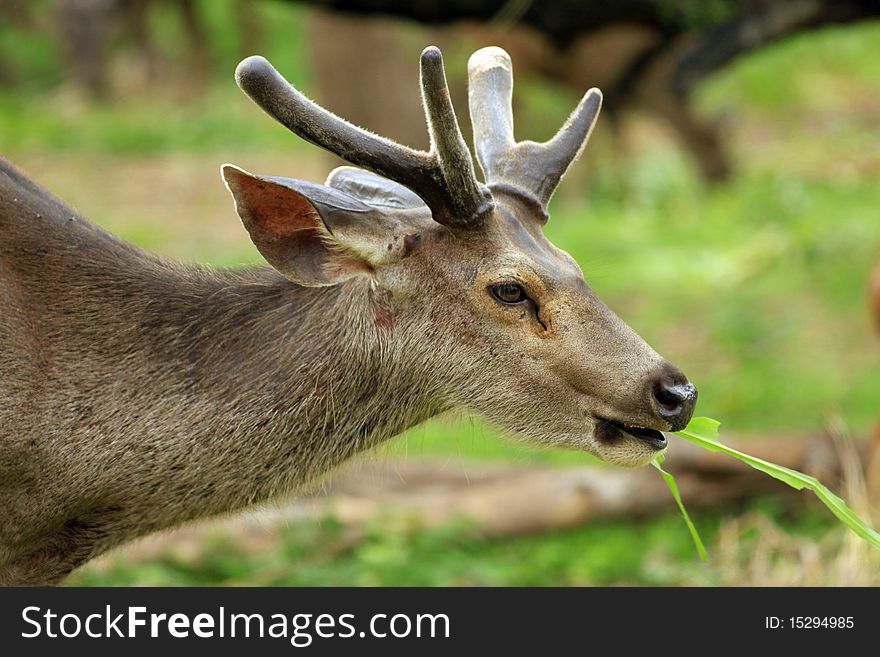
(138, 394)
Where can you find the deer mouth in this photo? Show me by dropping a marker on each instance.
(609, 430)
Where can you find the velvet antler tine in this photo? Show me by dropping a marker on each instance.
(532, 169)
(443, 178)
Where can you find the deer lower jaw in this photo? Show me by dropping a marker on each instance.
(608, 431)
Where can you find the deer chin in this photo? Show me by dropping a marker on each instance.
(626, 445)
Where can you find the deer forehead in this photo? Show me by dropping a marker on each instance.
(514, 248)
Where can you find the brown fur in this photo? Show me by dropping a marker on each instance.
(138, 394)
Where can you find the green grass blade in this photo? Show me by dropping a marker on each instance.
(704, 433)
(673, 487)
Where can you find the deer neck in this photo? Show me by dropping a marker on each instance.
(235, 388)
(288, 382)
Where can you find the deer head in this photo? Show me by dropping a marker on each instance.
(465, 292)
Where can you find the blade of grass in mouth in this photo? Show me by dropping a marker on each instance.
(673, 488)
(703, 432)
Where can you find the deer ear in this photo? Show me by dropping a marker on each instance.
(312, 234)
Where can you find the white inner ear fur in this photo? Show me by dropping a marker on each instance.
(379, 243)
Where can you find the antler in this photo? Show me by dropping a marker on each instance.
(527, 166)
(443, 177)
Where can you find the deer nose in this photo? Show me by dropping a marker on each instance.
(674, 397)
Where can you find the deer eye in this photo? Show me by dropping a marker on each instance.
(509, 293)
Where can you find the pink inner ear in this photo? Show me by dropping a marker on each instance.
(276, 210)
(287, 229)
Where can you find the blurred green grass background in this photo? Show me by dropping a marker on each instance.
(755, 288)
